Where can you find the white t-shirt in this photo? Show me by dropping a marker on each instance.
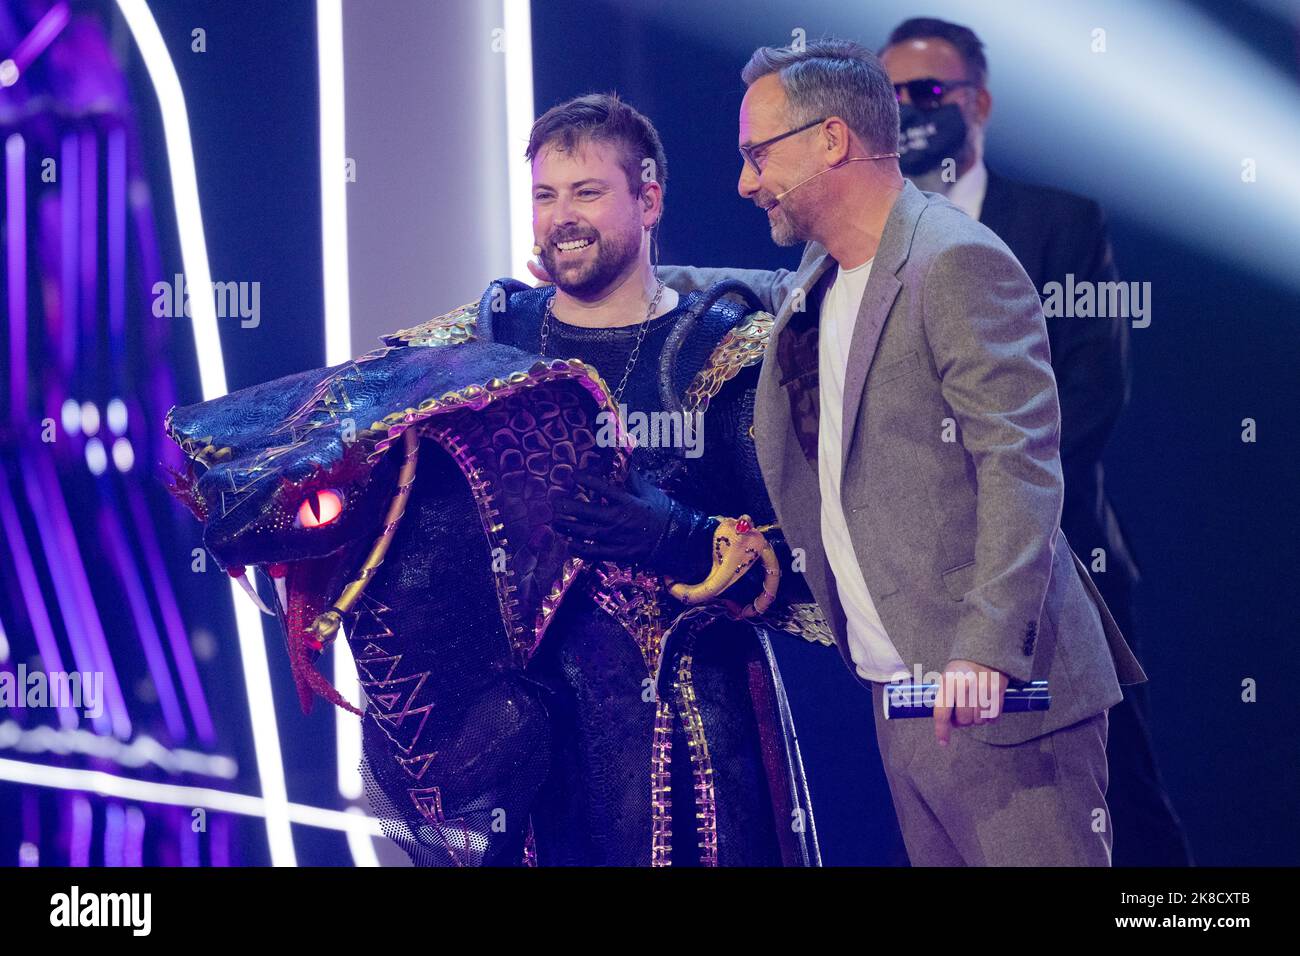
(874, 655)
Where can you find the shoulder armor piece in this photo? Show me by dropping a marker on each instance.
(456, 327)
(741, 347)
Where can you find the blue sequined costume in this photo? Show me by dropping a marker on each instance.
(592, 809)
(512, 713)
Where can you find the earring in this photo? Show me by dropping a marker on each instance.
(537, 250)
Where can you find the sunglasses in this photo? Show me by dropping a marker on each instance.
(927, 92)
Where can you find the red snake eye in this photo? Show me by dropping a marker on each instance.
(320, 508)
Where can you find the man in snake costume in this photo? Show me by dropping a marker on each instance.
(547, 542)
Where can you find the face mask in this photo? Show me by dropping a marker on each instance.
(927, 137)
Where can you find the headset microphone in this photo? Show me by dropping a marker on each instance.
(852, 159)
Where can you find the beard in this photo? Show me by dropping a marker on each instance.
(614, 254)
(784, 231)
(784, 221)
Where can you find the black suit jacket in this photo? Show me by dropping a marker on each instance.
(1053, 233)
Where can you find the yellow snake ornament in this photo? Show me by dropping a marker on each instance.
(737, 544)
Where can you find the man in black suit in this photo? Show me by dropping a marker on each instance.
(939, 72)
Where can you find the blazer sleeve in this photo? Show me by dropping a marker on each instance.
(772, 288)
(984, 323)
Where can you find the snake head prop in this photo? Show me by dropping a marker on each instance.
(306, 480)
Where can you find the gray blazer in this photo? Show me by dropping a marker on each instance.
(951, 475)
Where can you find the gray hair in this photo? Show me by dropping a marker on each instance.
(833, 78)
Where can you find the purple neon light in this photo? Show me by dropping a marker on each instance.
(162, 382)
(116, 199)
(69, 207)
(6, 651)
(136, 196)
(88, 233)
(173, 624)
(219, 841)
(111, 532)
(6, 663)
(150, 254)
(82, 833)
(46, 643)
(72, 588)
(42, 35)
(114, 834)
(31, 815)
(189, 840)
(16, 277)
(73, 625)
(133, 850)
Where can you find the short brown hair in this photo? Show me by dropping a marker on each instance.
(833, 78)
(602, 117)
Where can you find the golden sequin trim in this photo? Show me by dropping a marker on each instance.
(741, 347)
(456, 327)
(706, 804)
(806, 621)
(661, 799)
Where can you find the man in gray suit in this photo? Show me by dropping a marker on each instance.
(908, 429)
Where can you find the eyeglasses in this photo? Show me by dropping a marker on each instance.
(750, 152)
(926, 92)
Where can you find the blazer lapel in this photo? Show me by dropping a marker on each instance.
(877, 299)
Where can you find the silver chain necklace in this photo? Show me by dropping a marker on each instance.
(636, 349)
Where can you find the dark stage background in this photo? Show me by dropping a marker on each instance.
(1213, 520)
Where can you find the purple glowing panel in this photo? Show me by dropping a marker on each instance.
(46, 29)
(117, 248)
(111, 533)
(171, 617)
(189, 843)
(133, 848)
(72, 587)
(88, 226)
(64, 595)
(28, 584)
(65, 318)
(114, 835)
(82, 832)
(162, 389)
(16, 277)
(219, 842)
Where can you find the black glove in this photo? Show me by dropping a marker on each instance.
(635, 524)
